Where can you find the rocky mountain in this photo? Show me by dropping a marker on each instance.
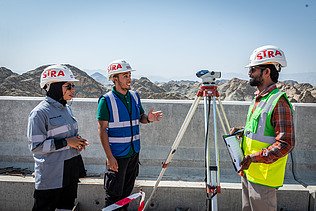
(100, 78)
(27, 84)
(5, 73)
(301, 93)
(230, 90)
(301, 77)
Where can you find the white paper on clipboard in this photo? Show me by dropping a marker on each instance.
(235, 152)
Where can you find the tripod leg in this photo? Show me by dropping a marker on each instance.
(207, 144)
(215, 177)
(207, 104)
(224, 113)
(221, 120)
(175, 145)
(212, 170)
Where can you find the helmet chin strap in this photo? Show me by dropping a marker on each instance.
(46, 87)
(278, 67)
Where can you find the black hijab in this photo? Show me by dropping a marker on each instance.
(56, 92)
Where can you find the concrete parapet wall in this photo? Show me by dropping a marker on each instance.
(16, 194)
(157, 139)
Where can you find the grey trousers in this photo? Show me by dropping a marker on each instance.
(257, 197)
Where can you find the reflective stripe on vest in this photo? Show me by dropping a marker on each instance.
(260, 134)
(116, 120)
(123, 129)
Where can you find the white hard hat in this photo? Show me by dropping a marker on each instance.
(268, 54)
(118, 66)
(56, 73)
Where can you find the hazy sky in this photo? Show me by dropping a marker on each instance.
(166, 38)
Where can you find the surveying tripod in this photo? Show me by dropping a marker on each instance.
(209, 92)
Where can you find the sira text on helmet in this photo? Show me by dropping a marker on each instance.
(268, 54)
(53, 73)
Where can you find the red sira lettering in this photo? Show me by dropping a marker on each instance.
(277, 53)
(61, 73)
(111, 67)
(268, 53)
(53, 73)
(259, 56)
(115, 66)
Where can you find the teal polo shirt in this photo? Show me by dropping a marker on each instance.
(103, 110)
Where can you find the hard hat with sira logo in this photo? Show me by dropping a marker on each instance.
(55, 73)
(118, 66)
(268, 54)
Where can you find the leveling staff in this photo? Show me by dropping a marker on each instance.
(119, 115)
(269, 132)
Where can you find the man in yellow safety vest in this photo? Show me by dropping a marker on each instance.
(268, 134)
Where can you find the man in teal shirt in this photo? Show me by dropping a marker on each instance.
(119, 115)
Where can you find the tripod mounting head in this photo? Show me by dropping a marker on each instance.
(207, 76)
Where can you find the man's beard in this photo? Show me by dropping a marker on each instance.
(128, 88)
(256, 81)
(125, 88)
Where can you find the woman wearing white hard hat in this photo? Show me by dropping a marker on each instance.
(54, 141)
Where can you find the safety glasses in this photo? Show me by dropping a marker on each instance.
(254, 68)
(69, 86)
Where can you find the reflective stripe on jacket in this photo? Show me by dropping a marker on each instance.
(259, 134)
(50, 121)
(123, 129)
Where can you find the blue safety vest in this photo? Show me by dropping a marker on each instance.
(123, 129)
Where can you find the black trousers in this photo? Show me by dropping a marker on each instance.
(61, 198)
(119, 185)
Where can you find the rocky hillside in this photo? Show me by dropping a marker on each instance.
(232, 90)
(100, 78)
(27, 84)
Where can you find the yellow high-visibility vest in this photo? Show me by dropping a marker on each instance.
(259, 134)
